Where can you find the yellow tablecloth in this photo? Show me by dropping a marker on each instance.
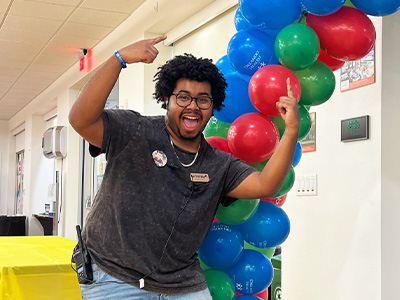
(37, 268)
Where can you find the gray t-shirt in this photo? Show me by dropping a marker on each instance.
(149, 221)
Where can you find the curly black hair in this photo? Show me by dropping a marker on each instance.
(189, 67)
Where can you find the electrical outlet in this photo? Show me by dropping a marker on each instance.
(306, 185)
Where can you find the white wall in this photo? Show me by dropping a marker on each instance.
(211, 40)
(333, 251)
(390, 163)
(43, 169)
(4, 141)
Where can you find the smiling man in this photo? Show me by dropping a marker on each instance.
(163, 182)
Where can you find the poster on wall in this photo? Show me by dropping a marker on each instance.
(308, 144)
(19, 193)
(358, 73)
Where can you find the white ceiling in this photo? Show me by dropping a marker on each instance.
(41, 39)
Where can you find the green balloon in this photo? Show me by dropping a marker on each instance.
(216, 127)
(297, 46)
(268, 252)
(305, 123)
(317, 84)
(220, 285)
(303, 20)
(348, 3)
(238, 212)
(280, 124)
(258, 166)
(203, 266)
(287, 184)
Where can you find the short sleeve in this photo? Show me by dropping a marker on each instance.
(120, 127)
(237, 172)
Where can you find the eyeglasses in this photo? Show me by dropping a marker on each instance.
(184, 100)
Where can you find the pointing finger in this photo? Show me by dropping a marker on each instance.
(289, 88)
(158, 39)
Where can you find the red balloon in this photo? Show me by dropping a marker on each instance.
(219, 143)
(277, 201)
(253, 137)
(268, 84)
(331, 62)
(347, 34)
(263, 295)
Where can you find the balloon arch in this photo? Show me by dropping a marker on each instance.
(305, 40)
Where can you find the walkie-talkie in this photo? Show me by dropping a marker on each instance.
(82, 260)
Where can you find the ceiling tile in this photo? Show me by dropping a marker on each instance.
(18, 99)
(39, 38)
(18, 92)
(31, 24)
(4, 86)
(7, 78)
(40, 10)
(31, 85)
(23, 79)
(97, 17)
(6, 114)
(60, 2)
(19, 55)
(18, 46)
(32, 81)
(85, 30)
(76, 42)
(6, 63)
(11, 105)
(41, 75)
(48, 67)
(4, 4)
(124, 6)
(10, 72)
(58, 60)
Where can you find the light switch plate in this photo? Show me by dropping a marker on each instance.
(306, 185)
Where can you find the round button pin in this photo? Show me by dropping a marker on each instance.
(159, 157)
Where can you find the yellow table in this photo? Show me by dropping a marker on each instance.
(37, 268)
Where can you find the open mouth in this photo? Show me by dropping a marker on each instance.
(190, 122)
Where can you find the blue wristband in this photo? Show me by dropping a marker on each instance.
(121, 60)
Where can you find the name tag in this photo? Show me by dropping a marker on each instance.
(199, 177)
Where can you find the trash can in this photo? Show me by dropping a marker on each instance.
(12, 225)
(276, 290)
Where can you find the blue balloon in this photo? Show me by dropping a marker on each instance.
(241, 23)
(237, 101)
(247, 297)
(322, 7)
(226, 68)
(271, 14)
(222, 247)
(269, 227)
(377, 7)
(252, 274)
(250, 50)
(297, 154)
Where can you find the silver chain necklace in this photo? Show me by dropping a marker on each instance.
(185, 165)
